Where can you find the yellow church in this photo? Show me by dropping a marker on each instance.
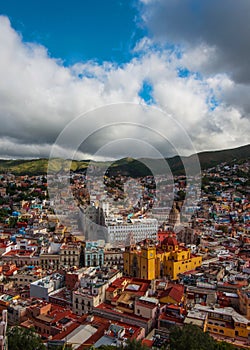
(148, 261)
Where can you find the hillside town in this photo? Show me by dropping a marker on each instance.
(136, 262)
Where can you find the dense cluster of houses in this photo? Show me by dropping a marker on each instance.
(193, 267)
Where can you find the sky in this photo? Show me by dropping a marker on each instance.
(187, 61)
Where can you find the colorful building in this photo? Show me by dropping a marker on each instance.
(93, 253)
(149, 261)
(70, 254)
(226, 322)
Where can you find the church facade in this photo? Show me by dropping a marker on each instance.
(169, 259)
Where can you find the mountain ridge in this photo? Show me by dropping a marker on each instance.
(129, 166)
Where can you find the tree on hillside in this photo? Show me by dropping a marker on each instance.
(190, 337)
(135, 345)
(23, 338)
(130, 345)
(12, 221)
(193, 338)
(224, 346)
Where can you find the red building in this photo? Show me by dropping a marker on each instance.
(161, 235)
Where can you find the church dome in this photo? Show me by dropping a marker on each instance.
(170, 240)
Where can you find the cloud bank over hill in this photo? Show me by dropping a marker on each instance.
(200, 80)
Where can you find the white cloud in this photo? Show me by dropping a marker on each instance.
(39, 96)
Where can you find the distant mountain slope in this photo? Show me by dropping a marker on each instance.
(129, 166)
(210, 159)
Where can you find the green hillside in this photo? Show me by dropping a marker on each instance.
(125, 166)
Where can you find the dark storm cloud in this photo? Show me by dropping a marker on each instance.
(222, 24)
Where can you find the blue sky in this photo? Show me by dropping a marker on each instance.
(60, 59)
(78, 30)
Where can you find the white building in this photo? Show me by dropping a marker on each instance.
(91, 292)
(85, 299)
(140, 229)
(42, 288)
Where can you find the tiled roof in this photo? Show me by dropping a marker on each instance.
(147, 342)
(175, 292)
